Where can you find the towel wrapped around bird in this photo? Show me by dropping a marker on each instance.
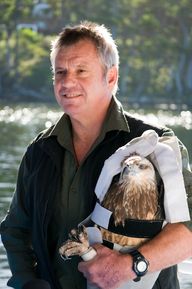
(129, 210)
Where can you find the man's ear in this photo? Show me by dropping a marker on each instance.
(112, 76)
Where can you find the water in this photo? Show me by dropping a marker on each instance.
(20, 124)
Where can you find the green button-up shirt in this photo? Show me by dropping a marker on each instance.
(69, 207)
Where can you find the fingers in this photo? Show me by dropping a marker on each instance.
(101, 249)
(97, 246)
(105, 269)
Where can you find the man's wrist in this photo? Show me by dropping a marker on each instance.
(139, 264)
(127, 263)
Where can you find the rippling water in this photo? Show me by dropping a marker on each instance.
(20, 124)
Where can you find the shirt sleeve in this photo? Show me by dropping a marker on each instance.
(16, 237)
(187, 175)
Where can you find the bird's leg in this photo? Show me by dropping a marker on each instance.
(77, 244)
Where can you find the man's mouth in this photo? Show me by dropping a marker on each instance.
(70, 95)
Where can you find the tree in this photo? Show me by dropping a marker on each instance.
(11, 12)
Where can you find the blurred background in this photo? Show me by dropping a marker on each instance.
(155, 45)
(154, 40)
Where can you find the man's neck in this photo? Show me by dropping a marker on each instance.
(85, 133)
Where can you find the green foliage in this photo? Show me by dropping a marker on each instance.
(11, 11)
(34, 66)
(6, 10)
(154, 40)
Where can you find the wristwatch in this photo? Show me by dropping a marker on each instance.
(140, 264)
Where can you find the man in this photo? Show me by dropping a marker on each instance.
(58, 174)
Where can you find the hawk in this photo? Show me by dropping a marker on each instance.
(133, 196)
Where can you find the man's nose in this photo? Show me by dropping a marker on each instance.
(68, 80)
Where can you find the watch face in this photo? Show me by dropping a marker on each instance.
(141, 266)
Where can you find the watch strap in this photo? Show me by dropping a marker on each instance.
(137, 256)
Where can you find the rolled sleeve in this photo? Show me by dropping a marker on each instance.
(188, 186)
(187, 175)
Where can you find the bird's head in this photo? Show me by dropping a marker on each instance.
(136, 167)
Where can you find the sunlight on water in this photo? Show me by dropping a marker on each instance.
(29, 115)
(183, 119)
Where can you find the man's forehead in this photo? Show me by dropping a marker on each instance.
(80, 55)
(76, 61)
(80, 46)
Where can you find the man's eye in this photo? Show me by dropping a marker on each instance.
(59, 72)
(81, 70)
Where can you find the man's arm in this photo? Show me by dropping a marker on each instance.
(16, 236)
(170, 247)
(109, 269)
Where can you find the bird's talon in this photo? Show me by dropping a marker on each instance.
(65, 258)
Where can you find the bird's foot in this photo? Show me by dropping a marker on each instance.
(77, 244)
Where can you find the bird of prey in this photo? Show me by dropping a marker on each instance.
(133, 196)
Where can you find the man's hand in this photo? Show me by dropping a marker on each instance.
(108, 270)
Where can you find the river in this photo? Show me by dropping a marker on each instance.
(19, 124)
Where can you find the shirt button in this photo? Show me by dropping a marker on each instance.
(73, 191)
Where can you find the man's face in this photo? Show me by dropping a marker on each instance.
(81, 86)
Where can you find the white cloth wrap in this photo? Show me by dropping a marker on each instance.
(165, 155)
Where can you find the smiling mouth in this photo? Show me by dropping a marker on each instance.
(70, 95)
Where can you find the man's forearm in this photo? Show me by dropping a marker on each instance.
(170, 247)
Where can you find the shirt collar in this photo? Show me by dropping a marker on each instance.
(115, 120)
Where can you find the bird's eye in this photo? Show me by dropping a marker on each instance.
(142, 166)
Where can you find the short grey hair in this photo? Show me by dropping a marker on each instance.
(99, 35)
